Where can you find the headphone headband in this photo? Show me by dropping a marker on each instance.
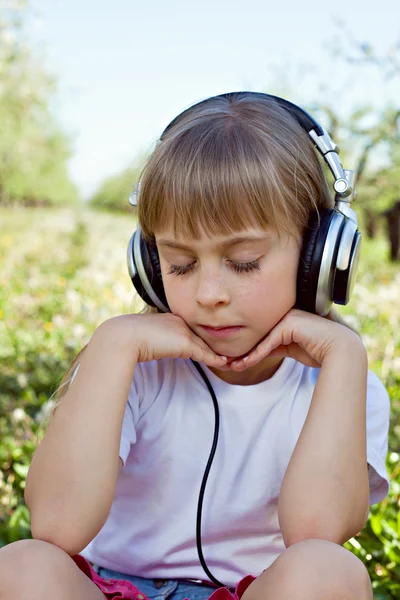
(305, 120)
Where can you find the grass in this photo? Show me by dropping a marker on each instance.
(63, 272)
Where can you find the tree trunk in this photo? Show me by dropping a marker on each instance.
(393, 229)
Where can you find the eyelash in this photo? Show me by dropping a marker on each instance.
(246, 267)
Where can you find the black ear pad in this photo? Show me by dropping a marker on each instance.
(314, 239)
(145, 272)
(135, 269)
(154, 270)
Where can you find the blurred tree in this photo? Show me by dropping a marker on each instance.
(114, 192)
(33, 149)
(377, 136)
(393, 230)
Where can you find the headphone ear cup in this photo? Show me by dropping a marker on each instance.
(145, 271)
(345, 279)
(314, 240)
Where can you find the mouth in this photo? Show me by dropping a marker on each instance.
(222, 331)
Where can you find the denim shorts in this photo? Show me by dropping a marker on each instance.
(159, 589)
(130, 587)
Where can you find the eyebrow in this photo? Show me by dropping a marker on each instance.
(222, 245)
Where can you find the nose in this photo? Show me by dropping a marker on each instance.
(211, 289)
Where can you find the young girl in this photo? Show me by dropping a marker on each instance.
(242, 252)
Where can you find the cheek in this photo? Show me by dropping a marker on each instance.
(174, 290)
(178, 295)
(274, 291)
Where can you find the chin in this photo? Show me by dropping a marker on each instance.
(236, 351)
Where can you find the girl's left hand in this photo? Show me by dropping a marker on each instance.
(306, 337)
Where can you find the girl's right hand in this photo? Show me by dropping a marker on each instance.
(164, 335)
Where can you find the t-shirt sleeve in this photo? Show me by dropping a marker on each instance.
(131, 416)
(378, 415)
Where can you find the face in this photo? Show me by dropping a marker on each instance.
(230, 290)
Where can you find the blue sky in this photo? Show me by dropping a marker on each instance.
(125, 68)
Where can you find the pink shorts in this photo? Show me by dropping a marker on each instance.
(125, 590)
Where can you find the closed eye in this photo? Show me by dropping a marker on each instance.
(238, 267)
(245, 267)
(180, 270)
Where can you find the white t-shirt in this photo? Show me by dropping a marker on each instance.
(165, 444)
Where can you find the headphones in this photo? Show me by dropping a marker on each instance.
(331, 244)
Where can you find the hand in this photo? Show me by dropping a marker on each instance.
(306, 337)
(157, 336)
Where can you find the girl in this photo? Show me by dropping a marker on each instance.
(241, 252)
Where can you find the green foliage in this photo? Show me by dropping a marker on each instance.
(69, 275)
(33, 149)
(375, 310)
(113, 194)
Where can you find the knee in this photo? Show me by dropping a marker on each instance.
(314, 569)
(26, 561)
(332, 571)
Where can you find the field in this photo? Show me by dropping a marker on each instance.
(64, 272)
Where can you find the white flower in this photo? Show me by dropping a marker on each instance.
(58, 320)
(78, 331)
(18, 415)
(22, 380)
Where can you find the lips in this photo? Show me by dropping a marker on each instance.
(218, 327)
(221, 331)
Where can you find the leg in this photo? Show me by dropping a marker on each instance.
(36, 570)
(313, 570)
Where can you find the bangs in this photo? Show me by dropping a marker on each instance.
(222, 175)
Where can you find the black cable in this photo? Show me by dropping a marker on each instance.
(205, 476)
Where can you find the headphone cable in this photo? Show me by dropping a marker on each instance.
(205, 476)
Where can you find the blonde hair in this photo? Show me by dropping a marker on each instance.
(226, 164)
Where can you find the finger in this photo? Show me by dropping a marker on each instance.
(203, 353)
(272, 342)
(258, 353)
(252, 359)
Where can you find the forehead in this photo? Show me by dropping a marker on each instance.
(252, 235)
